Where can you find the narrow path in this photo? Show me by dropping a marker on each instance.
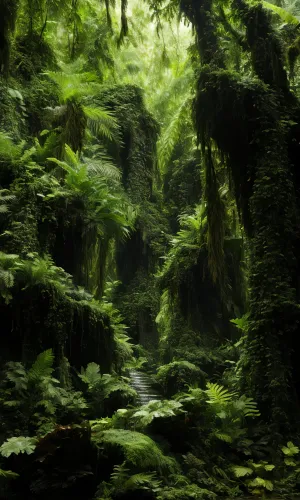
(141, 382)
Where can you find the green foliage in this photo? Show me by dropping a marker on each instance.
(103, 209)
(290, 450)
(16, 445)
(139, 450)
(155, 409)
(8, 474)
(36, 395)
(9, 10)
(171, 135)
(188, 492)
(225, 411)
(122, 482)
(286, 16)
(106, 393)
(176, 376)
(80, 119)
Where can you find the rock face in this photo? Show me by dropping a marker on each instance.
(142, 383)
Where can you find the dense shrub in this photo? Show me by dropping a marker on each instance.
(176, 376)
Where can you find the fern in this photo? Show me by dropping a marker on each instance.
(102, 122)
(172, 133)
(156, 409)
(17, 374)
(91, 375)
(42, 367)
(146, 481)
(9, 151)
(8, 474)
(247, 406)
(218, 394)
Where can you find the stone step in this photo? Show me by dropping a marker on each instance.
(142, 383)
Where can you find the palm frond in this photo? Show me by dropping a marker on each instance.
(170, 136)
(286, 16)
(102, 122)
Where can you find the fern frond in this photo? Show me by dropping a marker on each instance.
(218, 394)
(223, 436)
(16, 374)
(102, 122)
(8, 149)
(247, 406)
(91, 375)
(8, 474)
(170, 137)
(71, 157)
(42, 367)
(141, 481)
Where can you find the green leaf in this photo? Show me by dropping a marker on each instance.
(290, 449)
(269, 467)
(289, 462)
(18, 445)
(8, 474)
(286, 16)
(240, 471)
(223, 437)
(269, 485)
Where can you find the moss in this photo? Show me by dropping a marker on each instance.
(182, 186)
(293, 54)
(267, 54)
(235, 113)
(11, 119)
(31, 55)
(9, 9)
(38, 94)
(201, 15)
(40, 317)
(136, 155)
(177, 376)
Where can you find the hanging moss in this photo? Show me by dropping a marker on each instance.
(200, 14)
(8, 9)
(136, 155)
(38, 94)
(182, 186)
(267, 54)
(293, 54)
(235, 113)
(31, 55)
(40, 317)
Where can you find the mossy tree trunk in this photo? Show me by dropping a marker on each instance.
(228, 115)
